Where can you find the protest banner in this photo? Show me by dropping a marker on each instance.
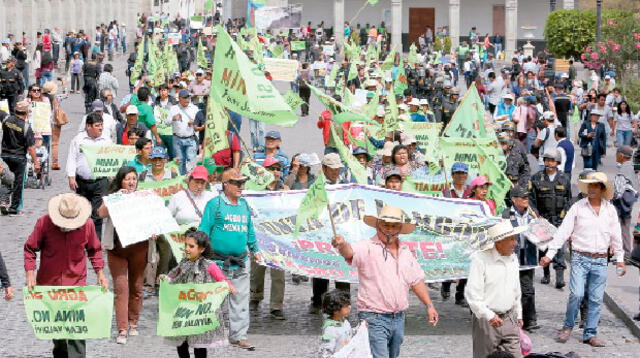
(165, 188)
(242, 87)
(106, 160)
(161, 115)
(69, 312)
(176, 240)
(188, 309)
(281, 69)
(448, 230)
(40, 118)
(358, 346)
(173, 38)
(259, 176)
(423, 181)
(426, 135)
(468, 150)
(298, 45)
(328, 50)
(132, 227)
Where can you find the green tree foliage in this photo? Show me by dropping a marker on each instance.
(569, 32)
(447, 44)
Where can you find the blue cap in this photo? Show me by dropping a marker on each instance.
(273, 134)
(157, 152)
(459, 167)
(184, 93)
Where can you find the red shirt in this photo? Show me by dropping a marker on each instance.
(224, 157)
(63, 258)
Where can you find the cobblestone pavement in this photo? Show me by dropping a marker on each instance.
(297, 335)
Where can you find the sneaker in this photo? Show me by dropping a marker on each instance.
(133, 331)
(254, 305)
(244, 344)
(637, 317)
(277, 314)
(122, 338)
(531, 327)
(13, 213)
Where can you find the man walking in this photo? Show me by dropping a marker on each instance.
(592, 224)
(493, 293)
(65, 238)
(386, 272)
(626, 194)
(81, 180)
(227, 221)
(185, 143)
(17, 141)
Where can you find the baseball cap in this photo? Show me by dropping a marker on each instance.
(332, 160)
(131, 109)
(199, 172)
(626, 150)
(184, 94)
(97, 105)
(359, 151)
(408, 139)
(519, 192)
(480, 180)
(380, 112)
(200, 72)
(269, 161)
(210, 165)
(22, 107)
(158, 152)
(370, 94)
(326, 115)
(273, 134)
(391, 173)
(459, 167)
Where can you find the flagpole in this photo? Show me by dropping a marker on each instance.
(366, 2)
(246, 148)
(333, 224)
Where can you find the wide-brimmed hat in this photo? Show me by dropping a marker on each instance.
(69, 211)
(391, 214)
(504, 229)
(50, 87)
(233, 174)
(596, 177)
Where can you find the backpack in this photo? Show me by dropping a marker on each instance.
(47, 58)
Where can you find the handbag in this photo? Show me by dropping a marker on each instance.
(60, 116)
(586, 151)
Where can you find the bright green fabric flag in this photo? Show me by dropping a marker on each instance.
(277, 51)
(217, 120)
(257, 48)
(372, 54)
(298, 45)
(340, 111)
(468, 119)
(500, 182)
(242, 87)
(136, 71)
(333, 74)
(208, 5)
(188, 309)
(373, 2)
(105, 161)
(357, 170)
(153, 65)
(201, 58)
(400, 84)
(388, 61)
(69, 312)
(313, 203)
(372, 106)
(575, 116)
(413, 54)
(259, 176)
(165, 188)
(353, 71)
(293, 99)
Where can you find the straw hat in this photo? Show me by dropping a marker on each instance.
(69, 211)
(596, 177)
(390, 214)
(504, 229)
(50, 87)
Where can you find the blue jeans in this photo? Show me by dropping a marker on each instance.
(46, 77)
(623, 137)
(124, 45)
(25, 75)
(588, 275)
(386, 333)
(185, 149)
(531, 138)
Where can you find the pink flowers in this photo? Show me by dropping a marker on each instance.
(636, 36)
(610, 42)
(594, 56)
(638, 45)
(583, 57)
(616, 48)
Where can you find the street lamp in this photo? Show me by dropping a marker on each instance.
(598, 18)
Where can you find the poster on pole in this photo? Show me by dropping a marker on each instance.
(126, 211)
(173, 38)
(281, 69)
(106, 160)
(69, 312)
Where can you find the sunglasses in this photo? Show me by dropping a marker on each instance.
(236, 182)
(273, 168)
(36, 90)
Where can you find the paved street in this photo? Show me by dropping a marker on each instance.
(296, 336)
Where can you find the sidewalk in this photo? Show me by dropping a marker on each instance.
(622, 297)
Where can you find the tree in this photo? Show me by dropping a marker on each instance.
(447, 45)
(569, 32)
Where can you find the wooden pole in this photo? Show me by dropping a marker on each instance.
(333, 225)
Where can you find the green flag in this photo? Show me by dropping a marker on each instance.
(259, 176)
(468, 119)
(152, 61)
(201, 58)
(208, 5)
(69, 312)
(215, 137)
(400, 83)
(372, 106)
(358, 171)
(136, 71)
(341, 112)
(188, 309)
(353, 71)
(242, 87)
(500, 182)
(413, 54)
(373, 2)
(176, 240)
(332, 75)
(311, 206)
(293, 99)
(298, 45)
(389, 60)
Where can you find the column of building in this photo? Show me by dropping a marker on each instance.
(396, 24)
(511, 27)
(338, 25)
(454, 23)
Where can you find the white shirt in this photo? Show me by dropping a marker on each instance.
(76, 162)
(182, 128)
(493, 285)
(108, 126)
(4, 53)
(548, 144)
(590, 232)
(183, 211)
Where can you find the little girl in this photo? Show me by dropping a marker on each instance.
(336, 330)
(197, 268)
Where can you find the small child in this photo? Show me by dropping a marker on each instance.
(197, 268)
(336, 330)
(41, 151)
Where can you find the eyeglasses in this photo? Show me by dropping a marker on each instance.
(236, 182)
(273, 169)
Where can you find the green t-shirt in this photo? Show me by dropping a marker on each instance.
(138, 165)
(145, 115)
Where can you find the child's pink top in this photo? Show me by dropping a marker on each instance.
(216, 273)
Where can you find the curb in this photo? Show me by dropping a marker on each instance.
(620, 312)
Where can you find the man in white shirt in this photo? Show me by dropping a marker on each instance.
(183, 115)
(4, 50)
(493, 293)
(81, 179)
(546, 139)
(494, 89)
(108, 122)
(592, 223)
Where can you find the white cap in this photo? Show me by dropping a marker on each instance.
(381, 112)
(404, 117)
(607, 77)
(507, 96)
(414, 102)
(548, 115)
(407, 139)
(424, 102)
(403, 107)
(131, 109)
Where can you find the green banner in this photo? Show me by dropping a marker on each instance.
(358, 171)
(188, 309)
(136, 71)
(259, 176)
(424, 182)
(162, 116)
(69, 312)
(314, 201)
(201, 59)
(426, 135)
(468, 119)
(468, 151)
(413, 54)
(293, 99)
(500, 182)
(215, 137)
(298, 45)
(242, 87)
(165, 188)
(176, 240)
(105, 161)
